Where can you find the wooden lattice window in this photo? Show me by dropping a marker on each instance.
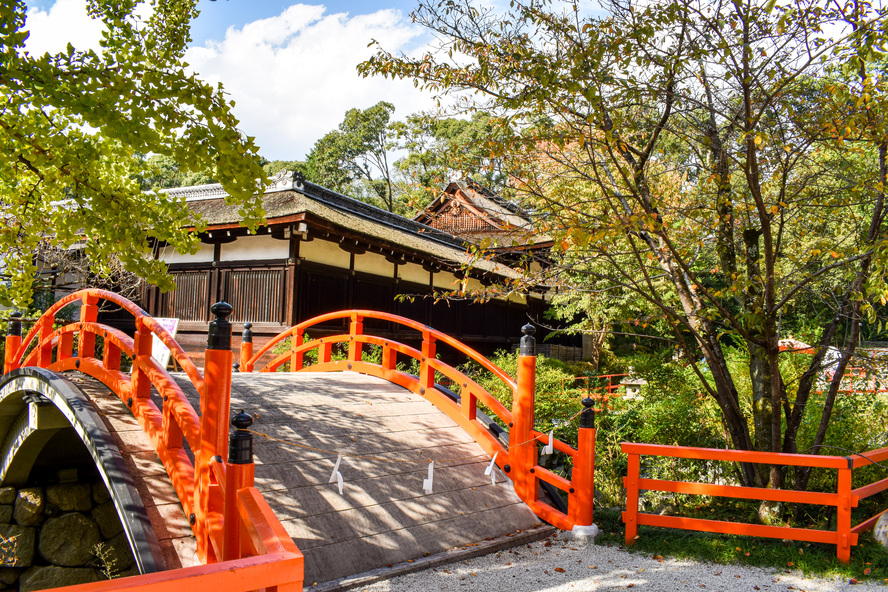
(257, 295)
(190, 300)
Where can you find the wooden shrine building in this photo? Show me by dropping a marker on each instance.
(322, 252)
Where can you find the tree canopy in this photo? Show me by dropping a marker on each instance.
(724, 163)
(73, 127)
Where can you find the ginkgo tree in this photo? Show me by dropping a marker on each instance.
(73, 127)
(721, 161)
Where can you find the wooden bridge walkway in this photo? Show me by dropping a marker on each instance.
(386, 435)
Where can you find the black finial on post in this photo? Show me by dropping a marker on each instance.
(219, 335)
(240, 443)
(247, 335)
(15, 324)
(587, 415)
(528, 343)
(235, 367)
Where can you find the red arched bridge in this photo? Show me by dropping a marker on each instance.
(88, 377)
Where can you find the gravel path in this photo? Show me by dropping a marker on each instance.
(559, 564)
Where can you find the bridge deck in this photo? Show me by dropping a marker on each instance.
(386, 435)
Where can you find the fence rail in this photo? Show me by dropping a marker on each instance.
(844, 499)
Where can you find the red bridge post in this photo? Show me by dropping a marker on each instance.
(239, 473)
(246, 348)
(583, 477)
(214, 410)
(13, 341)
(522, 444)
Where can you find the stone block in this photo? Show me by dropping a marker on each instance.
(17, 545)
(70, 497)
(69, 540)
(880, 532)
(5, 514)
(29, 506)
(10, 575)
(7, 495)
(53, 576)
(106, 517)
(100, 492)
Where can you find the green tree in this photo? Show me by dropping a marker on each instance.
(686, 153)
(356, 155)
(74, 124)
(443, 149)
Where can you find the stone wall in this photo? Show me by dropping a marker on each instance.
(60, 535)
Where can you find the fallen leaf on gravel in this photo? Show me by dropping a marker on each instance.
(853, 581)
(756, 588)
(593, 567)
(559, 569)
(631, 586)
(658, 557)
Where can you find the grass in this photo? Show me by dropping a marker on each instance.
(869, 560)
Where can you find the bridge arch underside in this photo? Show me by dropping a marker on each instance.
(47, 423)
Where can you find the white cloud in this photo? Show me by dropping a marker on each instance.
(293, 76)
(64, 22)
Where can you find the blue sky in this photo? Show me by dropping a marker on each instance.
(290, 67)
(216, 16)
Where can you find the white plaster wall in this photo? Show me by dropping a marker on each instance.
(203, 255)
(249, 248)
(411, 272)
(519, 298)
(445, 281)
(375, 264)
(326, 252)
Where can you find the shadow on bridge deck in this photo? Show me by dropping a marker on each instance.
(386, 435)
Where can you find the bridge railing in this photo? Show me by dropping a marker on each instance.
(844, 537)
(211, 491)
(519, 460)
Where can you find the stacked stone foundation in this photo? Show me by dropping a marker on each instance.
(60, 535)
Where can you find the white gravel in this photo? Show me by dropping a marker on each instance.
(564, 566)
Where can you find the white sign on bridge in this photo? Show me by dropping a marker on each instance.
(159, 351)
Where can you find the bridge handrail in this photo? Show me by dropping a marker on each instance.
(150, 323)
(518, 459)
(844, 537)
(185, 415)
(447, 370)
(393, 318)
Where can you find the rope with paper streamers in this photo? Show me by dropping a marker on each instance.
(336, 475)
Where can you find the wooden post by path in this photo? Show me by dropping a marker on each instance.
(583, 478)
(214, 411)
(13, 341)
(522, 444)
(239, 473)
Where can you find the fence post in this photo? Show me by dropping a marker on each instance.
(246, 348)
(239, 473)
(522, 444)
(630, 516)
(583, 476)
(44, 355)
(355, 347)
(214, 410)
(142, 345)
(89, 313)
(843, 516)
(297, 360)
(13, 342)
(426, 372)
